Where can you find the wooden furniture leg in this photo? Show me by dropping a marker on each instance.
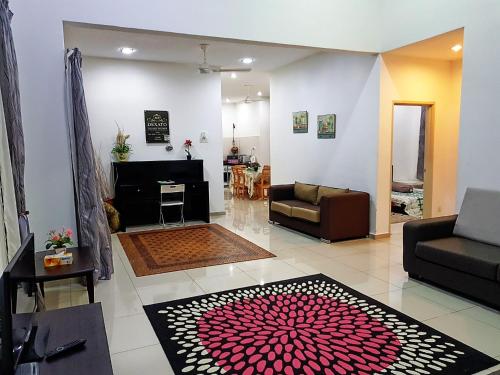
(13, 293)
(90, 286)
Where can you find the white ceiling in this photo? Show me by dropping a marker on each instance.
(437, 48)
(245, 84)
(156, 46)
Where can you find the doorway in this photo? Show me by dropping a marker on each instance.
(412, 159)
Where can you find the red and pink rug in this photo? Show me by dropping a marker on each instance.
(310, 325)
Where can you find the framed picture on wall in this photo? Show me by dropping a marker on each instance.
(157, 126)
(300, 122)
(327, 126)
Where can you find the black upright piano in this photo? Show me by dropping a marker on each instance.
(137, 191)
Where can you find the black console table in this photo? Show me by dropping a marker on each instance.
(69, 324)
(137, 191)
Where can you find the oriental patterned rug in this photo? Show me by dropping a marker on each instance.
(165, 250)
(309, 325)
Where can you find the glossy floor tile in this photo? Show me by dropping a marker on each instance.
(129, 332)
(479, 335)
(147, 360)
(373, 267)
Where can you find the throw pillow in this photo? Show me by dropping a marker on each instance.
(400, 187)
(305, 192)
(479, 217)
(325, 191)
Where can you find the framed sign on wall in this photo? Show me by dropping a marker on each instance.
(157, 126)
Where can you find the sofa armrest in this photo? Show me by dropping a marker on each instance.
(424, 230)
(281, 192)
(345, 216)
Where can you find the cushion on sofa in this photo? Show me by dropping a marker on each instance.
(282, 208)
(308, 214)
(299, 209)
(324, 191)
(472, 257)
(305, 192)
(479, 217)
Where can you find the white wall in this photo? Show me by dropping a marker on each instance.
(38, 37)
(405, 141)
(252, 128)
(406, 22)
(479, 123)
(120, 90)
(346, 84)
(355, 25)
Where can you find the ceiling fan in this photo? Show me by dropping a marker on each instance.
(248, 99)
(206, 68)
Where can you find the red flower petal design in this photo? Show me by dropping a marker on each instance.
(296, 333)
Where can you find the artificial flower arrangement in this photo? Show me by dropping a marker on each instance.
(187, 147)
(59, 240)
(121, 149)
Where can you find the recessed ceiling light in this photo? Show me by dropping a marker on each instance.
(247, 60)
(127, 50)
(233, 75)
(456, 47)
(228, 101)
(259, 93)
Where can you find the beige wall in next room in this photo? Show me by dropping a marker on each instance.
(421, 80)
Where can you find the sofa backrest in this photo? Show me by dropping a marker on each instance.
(305, 192)
(325, 191)
(479, 217)
(313, 193)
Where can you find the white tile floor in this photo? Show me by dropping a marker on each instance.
(372, 267)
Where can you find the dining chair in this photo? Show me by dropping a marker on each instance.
(238, 181)
(165, 201)
(265, 182)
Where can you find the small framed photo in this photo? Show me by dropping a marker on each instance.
(327, 126)
(300, 122)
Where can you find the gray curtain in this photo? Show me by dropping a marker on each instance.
(9, 226)
(92, 225)
(9, 84)
(421, 144)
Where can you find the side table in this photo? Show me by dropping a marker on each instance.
(83, 266)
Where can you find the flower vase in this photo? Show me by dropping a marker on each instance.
(122, 156)
(188, 156)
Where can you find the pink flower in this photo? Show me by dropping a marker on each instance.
(69, 232)
(56, 237)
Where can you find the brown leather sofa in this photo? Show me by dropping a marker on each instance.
(332, 215)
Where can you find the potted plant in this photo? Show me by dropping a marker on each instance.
(187, 147)
(59, 240)
(121, 149)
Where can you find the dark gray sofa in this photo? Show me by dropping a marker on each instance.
(470, 267)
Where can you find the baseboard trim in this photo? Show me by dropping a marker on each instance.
(378, 236)
(217, 213)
